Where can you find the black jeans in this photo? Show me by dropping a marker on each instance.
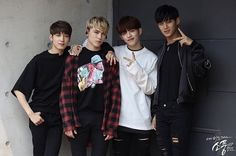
(131, 144)
(89, 132)
(47, 137)
(173, 129)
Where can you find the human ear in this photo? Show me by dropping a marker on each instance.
(50, 37)
(140, 31)
(87, 31)
(178, 21)
(121, 37)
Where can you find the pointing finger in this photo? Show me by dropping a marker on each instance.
(181, 32)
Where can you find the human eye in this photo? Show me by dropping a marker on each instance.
(132, 30)
(169, 21)
(96, 32)
(67, 35)
(57, 34)
(103, 34)
(160, 23)
(123, 33)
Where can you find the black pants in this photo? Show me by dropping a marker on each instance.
(173, 129)
(131, 144)
(47, 137)
(89, 132)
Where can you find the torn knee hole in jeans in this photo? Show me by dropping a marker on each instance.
(118, 139)
(163, 149)
(143, 139)
(175, 140)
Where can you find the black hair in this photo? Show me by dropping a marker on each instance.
(61, 27)
(127, 23)
(166, 12)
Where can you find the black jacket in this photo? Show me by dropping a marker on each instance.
(194, 66)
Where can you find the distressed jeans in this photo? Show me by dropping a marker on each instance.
(131, 144)
(173, 129)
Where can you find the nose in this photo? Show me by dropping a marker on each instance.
(165, 25)
(62, 38)
(99, 35)
(128, 34)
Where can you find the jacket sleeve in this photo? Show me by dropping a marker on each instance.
(66, 97)
(146, 80)
(200, 62)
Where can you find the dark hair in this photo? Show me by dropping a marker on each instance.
(166, 12)
(61, 26)
(127, 23)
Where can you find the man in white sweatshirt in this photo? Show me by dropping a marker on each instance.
(138, 72)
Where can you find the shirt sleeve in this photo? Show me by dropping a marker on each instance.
(66, 96)
(107, 47)
(112, 110)
(26, 82)
(146, 80)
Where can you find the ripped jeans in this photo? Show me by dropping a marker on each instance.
(173, 130)
(131, 144)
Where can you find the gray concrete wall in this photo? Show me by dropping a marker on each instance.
(24, 32)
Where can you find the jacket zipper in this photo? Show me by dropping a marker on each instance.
(181, 64)
(189, 82)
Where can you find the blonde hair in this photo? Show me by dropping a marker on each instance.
(98, 22)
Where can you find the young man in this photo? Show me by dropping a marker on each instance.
(181, 63)
(90, 95)
(138, 81)
(43, 74)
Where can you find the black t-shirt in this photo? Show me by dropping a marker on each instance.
(43, 76)
(169, 75)
(92, 98)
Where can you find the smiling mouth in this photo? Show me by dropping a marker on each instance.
(62, 44)
(130, 39)
(98, 41)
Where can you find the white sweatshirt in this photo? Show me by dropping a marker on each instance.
(137, 82)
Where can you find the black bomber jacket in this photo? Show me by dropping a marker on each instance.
(194, 66)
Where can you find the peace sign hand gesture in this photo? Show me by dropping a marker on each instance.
(183, 39)
(130, 61)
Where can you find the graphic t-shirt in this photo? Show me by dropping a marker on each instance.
(90, 68)
(91, 73)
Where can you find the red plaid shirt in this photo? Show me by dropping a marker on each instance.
(69, 97)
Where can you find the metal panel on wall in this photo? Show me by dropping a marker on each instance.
(210, 22)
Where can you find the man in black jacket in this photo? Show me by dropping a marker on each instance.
(181, 63)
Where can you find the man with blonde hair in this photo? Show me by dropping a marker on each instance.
(90, 94)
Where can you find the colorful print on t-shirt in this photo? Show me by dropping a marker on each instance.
(92, 73)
